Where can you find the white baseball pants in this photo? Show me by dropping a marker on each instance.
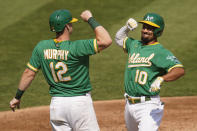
(144, 116)
(73, 114)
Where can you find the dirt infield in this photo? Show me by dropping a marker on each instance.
(180, 115)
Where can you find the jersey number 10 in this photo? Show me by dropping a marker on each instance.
(141, 77)
(58, 77)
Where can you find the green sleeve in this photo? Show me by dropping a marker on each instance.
(85, 47)
(34, 63)
(127, 44)
(166, 60)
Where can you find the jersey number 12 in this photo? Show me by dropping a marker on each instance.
(58, 77)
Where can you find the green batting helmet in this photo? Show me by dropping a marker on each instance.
(154, 20)
(59, 19)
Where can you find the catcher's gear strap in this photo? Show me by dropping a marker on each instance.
(121, 35)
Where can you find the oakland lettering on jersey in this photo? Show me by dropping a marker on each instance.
(56, 54)
(135, 60)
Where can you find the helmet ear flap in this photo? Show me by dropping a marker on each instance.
(158, 32)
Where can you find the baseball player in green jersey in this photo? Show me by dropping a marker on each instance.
(148, 65)
(65, 66)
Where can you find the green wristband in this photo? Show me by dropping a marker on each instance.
(93, 23)
(19, 94)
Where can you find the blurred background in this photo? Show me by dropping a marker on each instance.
(24, 23)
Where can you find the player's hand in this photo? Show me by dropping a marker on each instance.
(85, 15)
(131, 24)
(155, 86)
(14, 103)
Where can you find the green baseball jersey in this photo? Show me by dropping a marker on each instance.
(65, 65)
(145, 63)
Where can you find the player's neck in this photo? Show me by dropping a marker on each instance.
(63, 37)
(151, 42)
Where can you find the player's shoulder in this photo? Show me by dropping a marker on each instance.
(78, 43)
(132, 40)
(83, 41)
(161, 49)
(45, 41)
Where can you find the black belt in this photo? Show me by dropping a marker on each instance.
(134, 100)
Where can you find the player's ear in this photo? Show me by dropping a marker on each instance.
(66, 27)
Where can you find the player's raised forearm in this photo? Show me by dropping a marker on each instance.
(102, 36)
(174, 74)
(121, 35)
(131, 25)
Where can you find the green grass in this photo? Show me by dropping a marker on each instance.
(25, 23)
(13, 11)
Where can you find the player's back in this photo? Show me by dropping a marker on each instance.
(65, 65)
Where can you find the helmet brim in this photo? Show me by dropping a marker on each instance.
(73, 20)
(150, 23)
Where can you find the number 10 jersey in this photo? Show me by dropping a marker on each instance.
(145, 63)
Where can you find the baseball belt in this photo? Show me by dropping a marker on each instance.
(134, 100)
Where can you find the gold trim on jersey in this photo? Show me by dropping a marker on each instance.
(31, 67)
(155, 43)
(95, 46)
(124, 44)
(55, 40)
(178, 65)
